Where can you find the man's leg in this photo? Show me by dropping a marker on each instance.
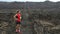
(17, 27)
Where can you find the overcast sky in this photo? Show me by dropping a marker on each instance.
(28, 0)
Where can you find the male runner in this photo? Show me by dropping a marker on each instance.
(17, 18)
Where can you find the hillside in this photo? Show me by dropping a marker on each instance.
(37, 17)
(31, 5)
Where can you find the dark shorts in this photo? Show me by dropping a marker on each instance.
(18, 22)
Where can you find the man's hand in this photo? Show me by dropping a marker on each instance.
(20, 17)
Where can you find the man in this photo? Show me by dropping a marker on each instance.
(17, 18)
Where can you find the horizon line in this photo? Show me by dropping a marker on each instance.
(29, 1)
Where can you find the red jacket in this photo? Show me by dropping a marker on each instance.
(18, 17)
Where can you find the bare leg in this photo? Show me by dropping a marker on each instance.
(18, 27)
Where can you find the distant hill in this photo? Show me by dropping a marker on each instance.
(32, 5)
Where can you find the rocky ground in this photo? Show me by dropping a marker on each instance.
(7, 25)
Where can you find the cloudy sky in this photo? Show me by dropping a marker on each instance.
(28, 0)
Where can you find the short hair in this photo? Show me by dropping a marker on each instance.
(17, 11)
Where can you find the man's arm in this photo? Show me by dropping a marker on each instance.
(15, 17)
(20, 17)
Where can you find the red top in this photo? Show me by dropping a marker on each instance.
(18, 15)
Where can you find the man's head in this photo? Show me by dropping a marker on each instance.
(18, 11)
